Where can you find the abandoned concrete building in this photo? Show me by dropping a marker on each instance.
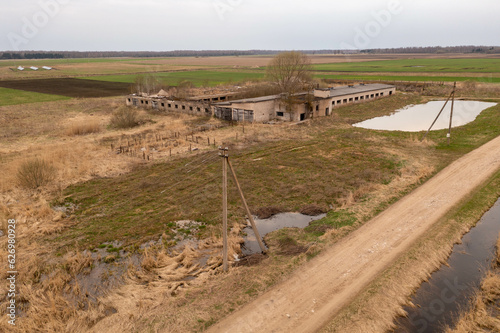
(320, 103)
(199, 105)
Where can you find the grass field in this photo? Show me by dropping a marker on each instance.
(213, 71)
(213, 78)
(437, 78)
(273, 174)
(198, 78)
(14, 97)
(417, 66)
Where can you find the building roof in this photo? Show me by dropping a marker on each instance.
(347, 90)
(334, 92)
(250, 100)
(202, 97)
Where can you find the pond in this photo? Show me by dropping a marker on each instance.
(416, 118)
(449, 290)
(276, 222)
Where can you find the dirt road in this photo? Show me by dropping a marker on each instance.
(310, 298)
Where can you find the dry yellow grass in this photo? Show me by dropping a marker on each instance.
(83, 127)
(78, 158)
(481, 316)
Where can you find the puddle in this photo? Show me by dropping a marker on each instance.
(276, 222)
(102, 277)
(415, 118)
(439, 300)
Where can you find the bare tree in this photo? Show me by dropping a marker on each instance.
(291, 72)
(184, 89)
(148, 84)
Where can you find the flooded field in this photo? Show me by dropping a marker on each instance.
(448, 291)
(416, 118)
(276, 222)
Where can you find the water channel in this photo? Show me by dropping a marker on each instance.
(449, 290)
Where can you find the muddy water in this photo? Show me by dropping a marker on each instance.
(449, 289)
(276, 222)
(415, 118)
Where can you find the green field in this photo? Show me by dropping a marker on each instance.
(198, 78)
(408, 78)
(14, 96)
(213, 78)
(417, 66)
(126, 70)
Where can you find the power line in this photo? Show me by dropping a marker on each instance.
(203, 165)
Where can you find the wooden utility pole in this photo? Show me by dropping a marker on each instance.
(223, 153)
(451, 95)
(451, 114)
(250, 217)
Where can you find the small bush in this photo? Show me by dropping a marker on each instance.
(35, 173)
(125, 118)
(83, 128)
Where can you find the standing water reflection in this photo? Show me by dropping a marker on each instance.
(415, 118)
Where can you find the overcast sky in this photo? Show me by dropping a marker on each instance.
(163, 25)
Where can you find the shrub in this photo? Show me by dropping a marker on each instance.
(125, 118)
(83, 128)
(35, 173)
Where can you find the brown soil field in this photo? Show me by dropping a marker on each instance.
(70, 87)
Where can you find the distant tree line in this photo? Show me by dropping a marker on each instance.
(33, 55)
(214, 53)
(437, 49)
